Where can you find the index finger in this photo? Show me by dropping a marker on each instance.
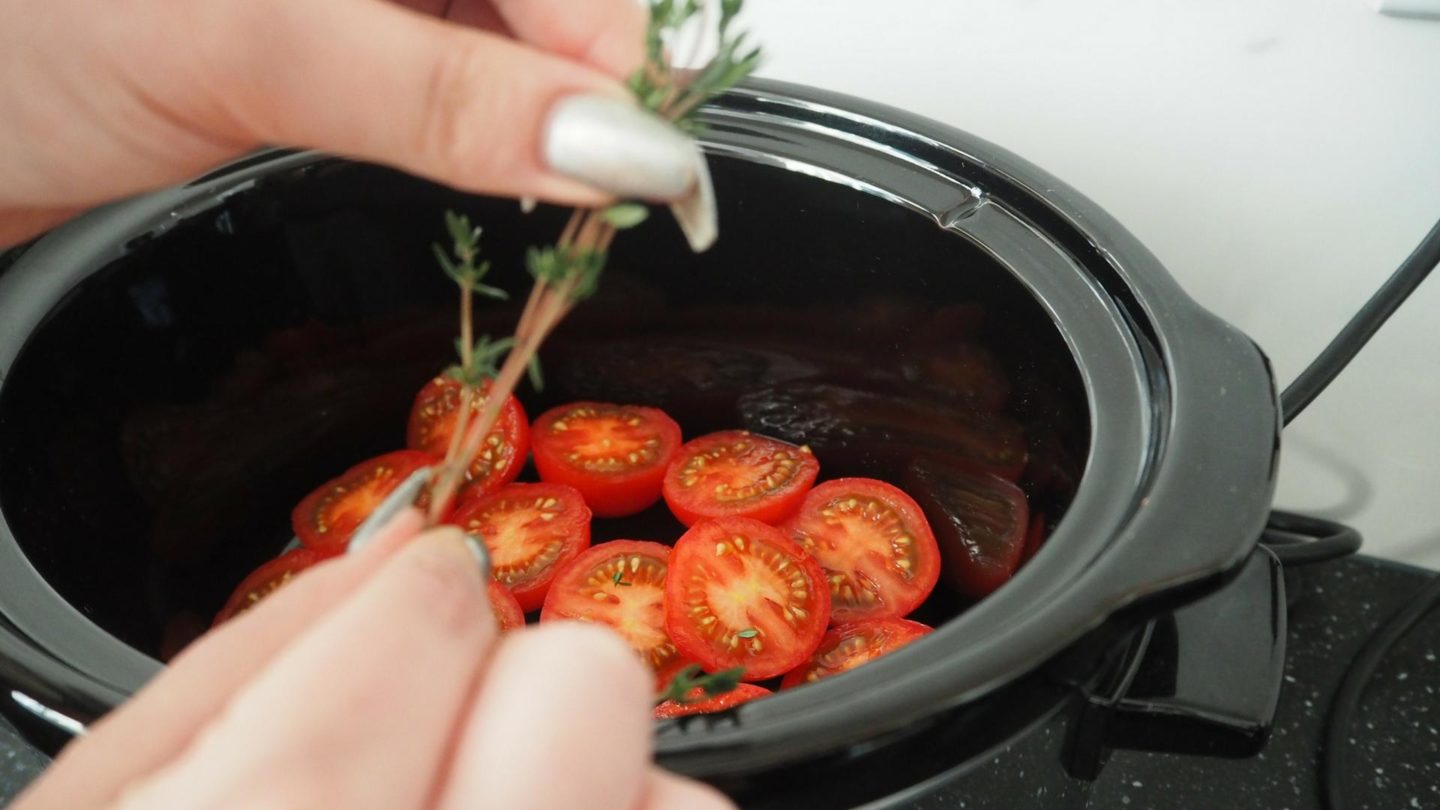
(163, 718)
(605, 34)
(608, 34)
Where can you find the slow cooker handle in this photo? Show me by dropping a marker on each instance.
(1204, 680)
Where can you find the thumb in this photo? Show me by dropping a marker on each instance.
(470, 108)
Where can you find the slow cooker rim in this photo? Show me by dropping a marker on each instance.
(156, 214)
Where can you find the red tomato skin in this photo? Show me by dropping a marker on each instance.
(696, 546)
(742, 693)
(443, 393)
(607, 494)
(508, 615)
(974, 561)
(562, 603)
(926, 552)
(901, 632)
(689, 508)
(333, 539)
(287, 565)
(531, 595)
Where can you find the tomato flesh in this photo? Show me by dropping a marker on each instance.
(741, 594)
(327, 517)
(980, 522)
(620, 584)
(532, 531)
(508, 614)
(432, 425)
(736, 473)
(616, 455)
(267, 579)
(879, 556)
(847, 646)
(697, 703)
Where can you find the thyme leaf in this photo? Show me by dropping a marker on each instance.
(691, 678)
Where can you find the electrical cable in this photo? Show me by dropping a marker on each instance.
(1297, 539)
(1303, 540)
(1352, 688)
(1351, 339)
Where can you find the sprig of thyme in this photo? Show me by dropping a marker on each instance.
(569, 271)
(691, 678)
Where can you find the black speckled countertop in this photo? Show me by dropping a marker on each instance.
(1394, 759)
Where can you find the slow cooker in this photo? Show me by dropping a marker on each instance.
(177, 369)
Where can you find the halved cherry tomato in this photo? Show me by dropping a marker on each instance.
(615, 455)
(532, 531)
(980, 522)
(620, 584)
(507, 611)
(736, 473)
(874, 543)
(740, 594)
(847, 646)
(432, 423)
(328, 516)
(699, 704)
(267, 579)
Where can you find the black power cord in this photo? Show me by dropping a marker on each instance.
(1296, 539)
(1362, 327)
(1352, 688)
(1301, 540)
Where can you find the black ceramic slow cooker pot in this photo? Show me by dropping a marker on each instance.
(176, 370)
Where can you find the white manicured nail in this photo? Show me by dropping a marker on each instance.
(480, 553)
(695, 212)
(390, 508)
(620, 148)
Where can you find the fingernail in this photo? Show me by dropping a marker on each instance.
(480, 553)
(696, 213)
(615, 146)
(389, 509)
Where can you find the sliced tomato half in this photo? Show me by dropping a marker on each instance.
(432, 425)
(847, 646)
(507, 611)
(736, 473)
(267, 579)
(620, 584)
(697, 703)
(879, 556)
(532, 531)
(615, 455)
(980, 522)
(741, 594)
(327, 517)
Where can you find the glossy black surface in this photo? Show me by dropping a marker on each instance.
(219, 349)
(1205, 679)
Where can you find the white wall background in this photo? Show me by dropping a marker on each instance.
(1281, 157)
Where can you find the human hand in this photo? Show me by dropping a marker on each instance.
(106, 99)
(376, 681)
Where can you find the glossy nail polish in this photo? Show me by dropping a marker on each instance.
(618, 147)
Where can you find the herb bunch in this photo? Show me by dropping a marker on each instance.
(568, 272)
